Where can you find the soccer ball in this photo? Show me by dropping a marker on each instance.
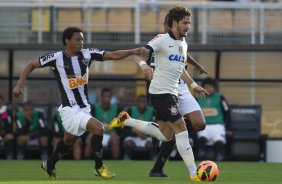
(207, 171)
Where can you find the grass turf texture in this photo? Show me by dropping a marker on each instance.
(135, 172)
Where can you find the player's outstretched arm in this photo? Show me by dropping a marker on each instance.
(200, 69)
(33, 64)
(121, 54)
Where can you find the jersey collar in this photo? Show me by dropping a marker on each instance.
(172, 35)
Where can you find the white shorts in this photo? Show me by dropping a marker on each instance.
(106, 139)
(213, 133)
(187, 104)
(74, 119)
(138, 141)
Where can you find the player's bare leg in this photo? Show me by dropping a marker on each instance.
(197, 120)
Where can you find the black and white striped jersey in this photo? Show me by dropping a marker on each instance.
(71, 74)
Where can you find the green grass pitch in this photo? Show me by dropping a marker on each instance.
(135, 172)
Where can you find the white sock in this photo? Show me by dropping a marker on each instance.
(148, 128)
(185, 150)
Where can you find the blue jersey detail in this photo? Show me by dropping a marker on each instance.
(176, 57)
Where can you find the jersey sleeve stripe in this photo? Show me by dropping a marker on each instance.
(151, 58)
(97, 55)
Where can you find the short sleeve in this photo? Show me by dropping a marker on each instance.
(48, 60)
(96, 54)
(156, 42)
(153, 46)
(151, 57)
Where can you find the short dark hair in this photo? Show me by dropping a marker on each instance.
(166, 26)
(177, 13)
(104, 90)
(28, 103)
(209, 81)
(166, 20)
(68, 32)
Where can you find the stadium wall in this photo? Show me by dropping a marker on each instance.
(247, 75)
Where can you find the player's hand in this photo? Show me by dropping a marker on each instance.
(141, 51)
(200, 92)
(201, 70)
(17, 91)
(148, 71)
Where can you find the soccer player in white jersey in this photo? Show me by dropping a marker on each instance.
(170, 55)
(188, 108)
(71, 72)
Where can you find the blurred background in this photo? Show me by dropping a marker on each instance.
(238, 42)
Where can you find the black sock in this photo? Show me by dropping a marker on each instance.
(189, 126)
(9, 149)
(202, 148)
(165, 150)
(97, 146)
(128, 151)
(44, 152)
(60, 151)
(20, 152)
(219, 146)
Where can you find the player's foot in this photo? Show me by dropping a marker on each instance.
(194, 179)
(157, 174)
(119, 121)
(104, 172)
(51, 172)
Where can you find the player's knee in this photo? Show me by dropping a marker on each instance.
(43, 140)
(94, 126)
(70, 141)
(199, 125)
(8, 137)
(21, 140)
(202, 126)
(129, 144)
(99, 130)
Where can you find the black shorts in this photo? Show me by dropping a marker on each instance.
(165, 106)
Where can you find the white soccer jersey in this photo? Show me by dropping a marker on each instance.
(72, 74)
(182, 86)
(170, 58)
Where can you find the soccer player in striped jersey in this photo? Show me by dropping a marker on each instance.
(71, 73)
(169, 52)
